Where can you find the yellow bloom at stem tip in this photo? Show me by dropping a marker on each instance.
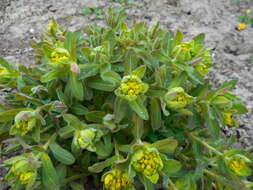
(148, 162)
(241, 26)
(25, 177)
(238, 166)
(248, 11)
(131, 87)
(116, 180)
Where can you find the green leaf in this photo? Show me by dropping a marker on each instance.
(5, 63)
(155, 114)
(140, 71)
(76, 186)
(156, 91)
(79, 109)
(49, 176)
(146, 57)
(51, 75)
(212, 121)
(193, 75)
(138, 128)
(171, 166)
(73, 121)
(76, 87)
(10, 114)
(86, 11)
(61, 170)
(130, 62)
(120, 108)
(100, 166)
(167, 43)
(88, 70)
(146, 182)
(178, 38)
(100, 84)
(70, 42)
(226, 86)
(111, 76)
(199, 39)
(178, 81)
(66, 132)
(138, 107)
(104, 148)
(95, 116)
(166, 145)
(61, 154)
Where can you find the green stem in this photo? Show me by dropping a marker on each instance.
(225, 181)
(205, 144)
(172, 184)
(75, 177)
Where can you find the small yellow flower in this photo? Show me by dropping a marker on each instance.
(241, 26)
(22, 127)
(24, 177)
(86, 139)
(60, 56)
(238, 166)
(248, 11)
(177, 98)
(228, 119)
(116, 180)
(148, 162)
(24, 122)
(131, 87)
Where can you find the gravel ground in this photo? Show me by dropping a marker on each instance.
(23, 20)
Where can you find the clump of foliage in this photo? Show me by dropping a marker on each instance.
(126, 107)
(246, 19)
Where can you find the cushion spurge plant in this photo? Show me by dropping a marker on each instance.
(121, 108)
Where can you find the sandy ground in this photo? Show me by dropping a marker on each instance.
(23, 20)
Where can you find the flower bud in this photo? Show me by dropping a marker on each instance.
(75, 68)
(59, 107)
(131, 87)
(116, 180)
(177, 98)
(24, 122)
(85, 139)
(148, 162)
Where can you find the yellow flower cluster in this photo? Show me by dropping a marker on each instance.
(149, 163)
(116, 180)
(132, 87)
(23, 177)
(237, 165)
(22, 127)
(59, 57)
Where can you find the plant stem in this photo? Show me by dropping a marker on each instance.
(205, 144)
(225, 181)
(172, 184)
(75, 177)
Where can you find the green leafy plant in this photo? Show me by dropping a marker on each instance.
(245, 19)
(129, 108)
(99, 13)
